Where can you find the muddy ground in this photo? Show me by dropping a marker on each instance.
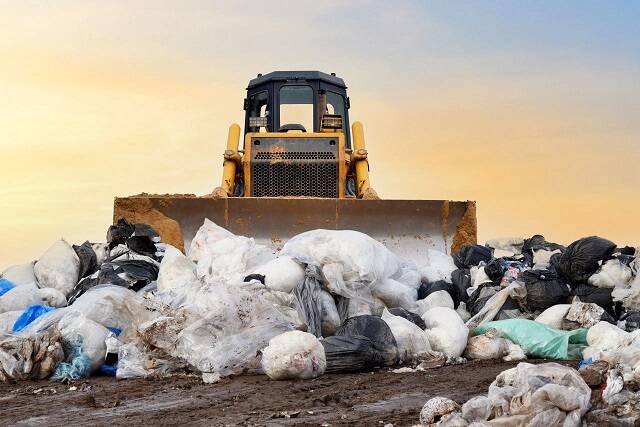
(354, 399)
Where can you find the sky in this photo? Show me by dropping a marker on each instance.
(530, 108)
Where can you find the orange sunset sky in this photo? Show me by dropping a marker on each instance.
(530, 108)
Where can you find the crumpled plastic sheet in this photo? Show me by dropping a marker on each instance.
(30, 357)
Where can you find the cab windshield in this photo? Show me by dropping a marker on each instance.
(296, 106)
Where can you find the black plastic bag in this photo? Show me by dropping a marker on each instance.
(544, 289)
(480, 296)
(509, 310)
(596, 295)
(410, 316)
(376, 329)
(631, 320)
(307, 300)
(117, 234)
(461, 279)
(259, 277)
(88, 259)
(144, 230)
(427, 289)
(627, 250)
(472, 255)
(536, 243)
(142, 245)
(494, 271)
(132, 274)
(353, 353)
(581, 258)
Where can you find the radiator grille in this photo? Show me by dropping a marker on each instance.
(296, 155)
(295, 179)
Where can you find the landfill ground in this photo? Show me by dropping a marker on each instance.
(346, 399)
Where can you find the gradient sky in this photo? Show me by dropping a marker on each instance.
(530, 108)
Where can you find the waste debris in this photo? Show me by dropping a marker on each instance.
(332, 302)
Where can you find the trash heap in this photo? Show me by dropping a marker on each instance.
(331, 301)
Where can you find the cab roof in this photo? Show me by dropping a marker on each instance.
(296, 75)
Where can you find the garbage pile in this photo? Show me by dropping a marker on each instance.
(331, 301)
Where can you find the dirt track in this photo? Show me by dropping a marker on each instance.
(356, 399)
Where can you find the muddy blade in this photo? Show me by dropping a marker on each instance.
(408, 227)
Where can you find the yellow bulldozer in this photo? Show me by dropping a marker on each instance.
(302, 167)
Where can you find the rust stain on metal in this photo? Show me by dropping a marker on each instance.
(467, 229)
(444, 222)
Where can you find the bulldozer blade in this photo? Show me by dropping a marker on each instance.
(407, 227)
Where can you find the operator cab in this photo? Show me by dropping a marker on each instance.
(297, 101)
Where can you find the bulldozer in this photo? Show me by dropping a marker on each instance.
(302, 167)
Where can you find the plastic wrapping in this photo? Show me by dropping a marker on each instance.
(58, 268)
(330, 316)
(19, 298)
(439, 267)
(113, 307)
(411, 340)
(446, 331)
(539, 340)
(281, 274)
(375, 329)
(176, 270)
(34, 356)
(350, 260)
(21, 274)
(292, 355)
(395, 294)
(90, 336)
(353, 353)
(543, 394)
(308, 301)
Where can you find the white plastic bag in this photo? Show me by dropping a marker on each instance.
(52, 297)
(101, 250)
(506, 247)
(491, 345)
(113, 307)
(58, 268)
(228, 260)
(612, 274)
(21, 274)
(7, 320)
(75, 326)
(554, 315)
(530, 390)
(439, 267)
(330, 317)
(20, 298)
(447, 332)
(207, 235)
(176, 270)
(362, 259)
(412, 341)
(281, 274)
(293, 354)
(542, 258)
(219, 328)
(395, 294)
(436, 299)
(436, 408)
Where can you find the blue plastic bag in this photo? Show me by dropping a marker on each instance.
(76, 365)
(6, 286)
(30, 314)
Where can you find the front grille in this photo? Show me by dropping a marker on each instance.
(296, 155)
(283, 167)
